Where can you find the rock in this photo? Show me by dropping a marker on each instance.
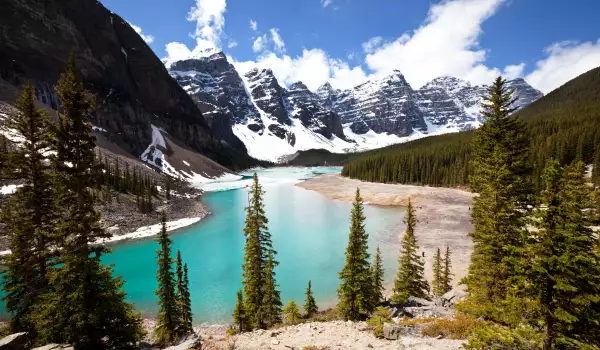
(57, 347)
(394, 331)
(16, 341)
(275, 342)
(454, 296)
(414, 301)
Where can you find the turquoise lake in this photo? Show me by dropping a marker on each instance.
(309, 231)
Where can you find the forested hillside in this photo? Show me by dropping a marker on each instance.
(564, 125)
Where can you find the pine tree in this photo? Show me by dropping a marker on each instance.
(86, 305)
(355, 290)
(240, 318)
(310, 305)
(29, 214)
(270, 309)
(183, 297)
(291, 313)
(168, 317)
(447, 273)
(500, 175)
(596, 168)
(436, 284)
(410, 280)
(262, 303)
(186, 312)
(566, 269)
(377, 278)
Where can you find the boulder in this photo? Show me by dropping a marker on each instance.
(16, 341)
(55, 347)
(394, 331)
(454, 296)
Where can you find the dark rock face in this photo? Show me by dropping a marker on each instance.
(387, 105)
(268, 95)
(133, 88)
(306, 107)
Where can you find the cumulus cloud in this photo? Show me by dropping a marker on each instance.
(445, 44)
(209, 16)
(232, 44)
(253, 25)
(260, 43)
(514, 71)
(147, 38)
(564, 61)
(372, 44)
(279, 44)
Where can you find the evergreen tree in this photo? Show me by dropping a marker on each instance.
(596, 167)
(447, 273)
(240, 318)
(436, 284)
(168, 317)
(566, 269)
(291, 313)
(270, 309)
(186, 312)
(29, 214)
(410, 280)
(377, 278)
(183, 297)
(500, 172)
(262, 303)
(310, 305)
(86, 305)
(355, 290)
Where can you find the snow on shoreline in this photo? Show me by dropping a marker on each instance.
(142, 232)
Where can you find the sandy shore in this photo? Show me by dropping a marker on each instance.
(443, 213)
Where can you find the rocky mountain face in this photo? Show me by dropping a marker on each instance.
(385, 106)
(132, 87)
(263, 114)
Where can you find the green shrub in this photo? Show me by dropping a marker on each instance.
(381, 316)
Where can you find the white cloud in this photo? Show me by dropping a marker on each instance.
(514, 71)
(260, 43)
(232, 44)
(314, 67)
(445, 44)
(326, 3)
(372, 44)
(147, 38)
(209, 16)
(253, 25)
(565, 61)
(279, 44)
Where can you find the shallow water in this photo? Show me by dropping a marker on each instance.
(310, 233)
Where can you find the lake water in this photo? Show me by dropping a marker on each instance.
(310, 234)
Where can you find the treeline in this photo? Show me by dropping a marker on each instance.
(54, 285)
(564, 125)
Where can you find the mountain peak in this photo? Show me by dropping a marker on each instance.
(297, 86)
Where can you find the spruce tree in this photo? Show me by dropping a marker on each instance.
(28, 215)
(447, 272)
(183, 297)
(410, 280)
(262, 303)
(310, 305)
(186, 312)
(270, 309)
(291, 313)
(355, 290)
(500, 175)
(86, 305)
(168, 317)
(566, 268)
(436, 284)
(240, 317)
(377, 278)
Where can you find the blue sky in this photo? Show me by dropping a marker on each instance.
(546, 41)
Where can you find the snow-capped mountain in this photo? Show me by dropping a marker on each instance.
(254, 113)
